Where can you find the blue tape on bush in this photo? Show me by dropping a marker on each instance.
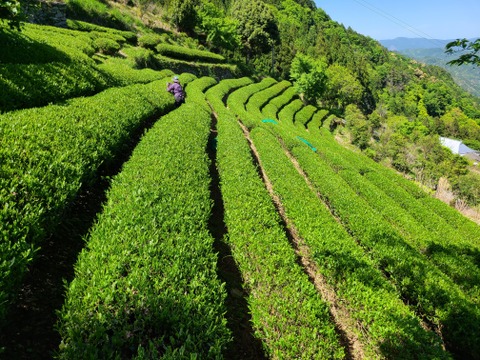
(306, 142)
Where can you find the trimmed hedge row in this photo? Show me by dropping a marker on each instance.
(271, 109)
(58, 66)
(317, 120)
(129, 36)
(305, 115)
(260, 98)
(219, 71)
(48, 153)
(454, 228)
(237, 100)
(434, 296)
(196, 91)
(219, 92)
(287, 313)
(386, 326)
(147, 286)
(287, 114)
(183, 53)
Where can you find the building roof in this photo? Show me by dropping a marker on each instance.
(456, 146)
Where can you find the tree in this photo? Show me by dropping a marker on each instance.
(309, 77)
(184, 15)
(342, 87)
(358, 125)
(257, 26)
(460, 45)
(221, 31)
(10, 11)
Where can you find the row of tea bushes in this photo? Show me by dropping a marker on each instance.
(288, 315)
(238, 99)
(48, 153)
(433, 296)
(386, 327)
(184, 53)
(147, 285)
(271, 109)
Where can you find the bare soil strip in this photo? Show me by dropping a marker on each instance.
(340, 315)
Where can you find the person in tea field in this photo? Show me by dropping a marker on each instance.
(177, 90)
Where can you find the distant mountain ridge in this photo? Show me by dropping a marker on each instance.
(404, 43)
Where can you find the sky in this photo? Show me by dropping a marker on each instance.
(389, 19)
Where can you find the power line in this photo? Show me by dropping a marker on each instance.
(399, 22)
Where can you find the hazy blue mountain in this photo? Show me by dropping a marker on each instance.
(403, 43)
(432, 52)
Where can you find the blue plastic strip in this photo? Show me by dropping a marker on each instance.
(306, 142)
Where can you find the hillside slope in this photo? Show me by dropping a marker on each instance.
(235, 221)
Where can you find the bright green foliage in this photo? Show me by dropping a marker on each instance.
(261, 98)
(239, 98)
(184, 15)
(220, 29)
(257, 26)
(414, 276)
(342, 87)
(183, 53)
(472, 48)
(217, 94)
(309, 77)
(304, 115)
(271, 109)
(48, 153)
(363, 290)
(100, 13)
(149, 273)
(197, 68)
(287, 313)
(287, 114)
(150, 40)
(360, 128)
(130, 36)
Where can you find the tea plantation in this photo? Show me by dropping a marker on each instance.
(239, 196)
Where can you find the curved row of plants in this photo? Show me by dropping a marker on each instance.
(434, 296)
(287, 113)
(147, 285)
(48, 153)
(386, 326)
(305, 115)
(453, 254)
(239, 98)
(59, 65)
(288, 315)
(415, 278)
(262, 97)
(271, 109)
(414, 195)
(444, 222)
(384, 334)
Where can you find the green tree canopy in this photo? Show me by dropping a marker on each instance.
(257, 26)
(10, 11)
(469, 49)
(221, 30)
(184, 15)
(309, 77)
(342, 87)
